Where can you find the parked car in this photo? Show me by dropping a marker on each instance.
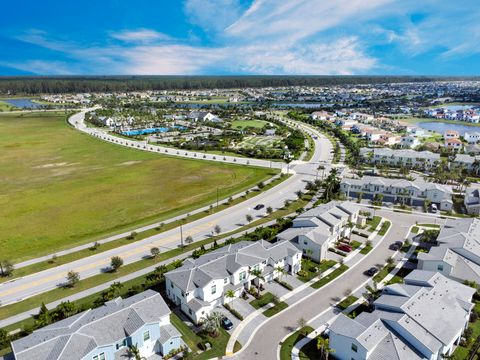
(344, 247)
(259, 206)
(433, 208)
(397, 245)
(227, 324)
(372, 271)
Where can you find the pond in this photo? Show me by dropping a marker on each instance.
(150, 130)
(441, 127)
(23, 103)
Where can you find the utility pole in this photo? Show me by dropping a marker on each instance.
(181, 236)
(217, 197)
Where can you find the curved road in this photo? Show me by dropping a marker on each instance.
(229, 219)
(263, 343)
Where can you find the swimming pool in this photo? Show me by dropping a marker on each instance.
(150, 130)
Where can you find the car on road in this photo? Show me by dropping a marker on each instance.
(372, 271)
(344, 247)
(397, 245)
(227, 324)
(258, 207)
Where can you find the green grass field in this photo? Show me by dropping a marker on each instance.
(5, 106)
(242, 124)
(267, 141)
(62, 188)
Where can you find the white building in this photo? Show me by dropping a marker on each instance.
(314, 231)
(472, 137)
(408, 158)
(409, 142)
(424, 318)
(201, 284)
(472, 201)
(401, 191)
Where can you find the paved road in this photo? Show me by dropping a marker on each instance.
(228, 219)
(264, 342)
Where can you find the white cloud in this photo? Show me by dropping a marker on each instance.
(140, 36)
(41, 67)
(212, 15)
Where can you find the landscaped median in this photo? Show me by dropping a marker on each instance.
(287, 345)
(333, 275)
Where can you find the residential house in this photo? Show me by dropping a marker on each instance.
(105, 333)
(458, 254)
(472, 137)
(201, 284)
(320, 115)
(424, 318)
(453, 144)
(424, 160)
(466, 162)
(409, 142)
(472, 201)
(451, 134)
(201, 116)
(314, 231)
(399, 191)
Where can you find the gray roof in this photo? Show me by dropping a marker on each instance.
(168, 332)
(76, 336)
(223, 262)
(400, 153)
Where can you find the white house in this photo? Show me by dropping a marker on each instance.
(472, 137)
(458, 254)
(409, 141)
(472, 201)
(201, 284)
(314, 231)
(408, 158)
(424, 318)
(399, 191)
(453, 144)
(105, 333)
(451, 134)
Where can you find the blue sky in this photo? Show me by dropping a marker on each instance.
(201, 37)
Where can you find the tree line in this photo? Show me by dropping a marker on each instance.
(79, 84)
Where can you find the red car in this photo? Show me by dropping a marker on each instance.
(343, 247)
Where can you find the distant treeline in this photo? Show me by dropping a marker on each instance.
(79, 84)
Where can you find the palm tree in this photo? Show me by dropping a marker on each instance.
(281, 271)
(211, 323)
(350, 225)
(258, 274)
(323, 346)
(230, 294)
(135, 353)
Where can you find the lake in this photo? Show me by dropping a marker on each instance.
(440, 127)
(23, 103)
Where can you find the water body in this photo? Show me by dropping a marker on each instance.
(302, 105)
(150, 131)
(23, 103)
(440, 127)
(458, 107)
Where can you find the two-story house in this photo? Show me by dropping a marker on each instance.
(201, 284)
(105, 333)
(314, 231)
(424, 318)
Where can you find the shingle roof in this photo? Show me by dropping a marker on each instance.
(76, 336)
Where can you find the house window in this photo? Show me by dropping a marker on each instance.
(242, 276)
(305, 242)
(440, 267)
(183, 294)
(146, 335)
(121, 344)
(100, 356)
(354, 348)
(171, 285)
(214, 289)
(225, 281)
(190, 311)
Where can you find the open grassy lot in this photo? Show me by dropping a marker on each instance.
(242, 124)
(62, 188)
(5, 106)
(267, 141)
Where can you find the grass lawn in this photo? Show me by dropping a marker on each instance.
(333, 275)
(308, 268)
(385, 226)
(415, 229)
(374, 223)
(242, 124)
(347, 302)
(289, 343)
(5, 106)
(366, 249)
(265, 299)
(64, 188)
(434, 226)
(275, 309)
(462, 352)
(266, 141)
(383, 272)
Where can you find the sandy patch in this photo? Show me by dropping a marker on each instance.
(128, 163)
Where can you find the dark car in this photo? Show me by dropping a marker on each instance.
(397, 245)
(344, 247)
(372, 271)
(259, 206)
(227, 324)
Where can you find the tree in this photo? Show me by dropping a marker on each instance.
(134, 352)
(132, 235)
(4, 338)
(6, 268)
(350, 225)
(211, 323)
(73, 277)
(269, 210)
(281, 271)
(64, 310)
(249, 218)
(230, 294)
(155, 251)
(323, 346)
(115, 263)
(43, 318)
(390, 261)
(299, 193)
(258, 274)
(189, 239)
(217, 229)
